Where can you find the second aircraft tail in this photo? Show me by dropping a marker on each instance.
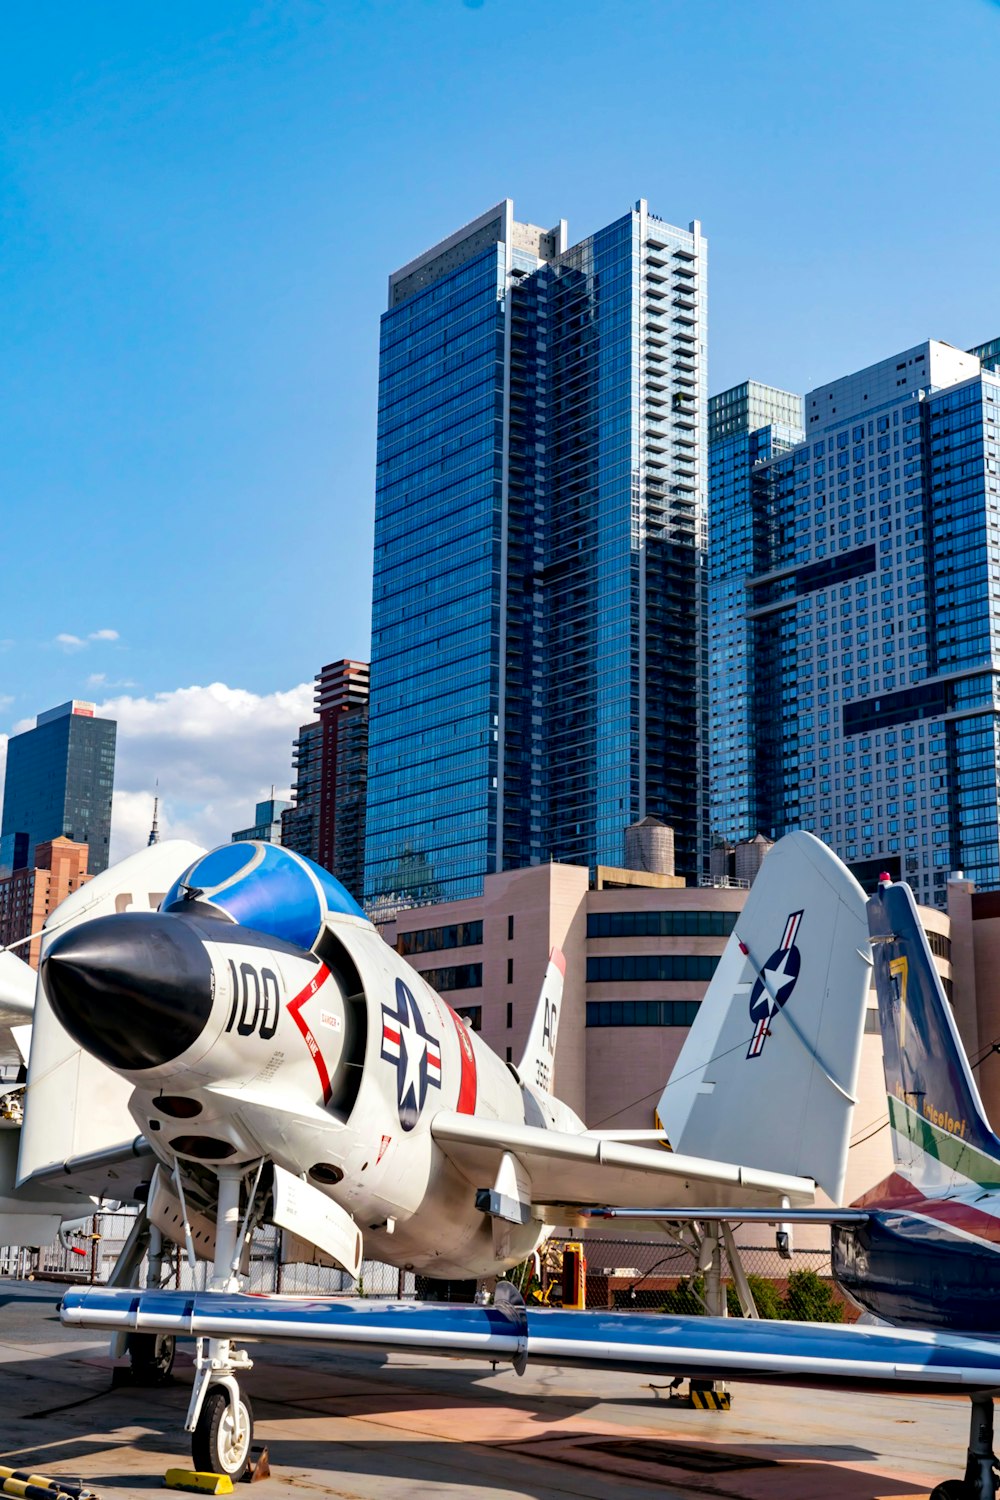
(768, 1071)
(939, 1126)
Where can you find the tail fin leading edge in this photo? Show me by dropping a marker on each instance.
(537, 1064)
(768, 1072)
(932, 1093)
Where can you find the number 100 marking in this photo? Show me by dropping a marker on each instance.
(263, 988)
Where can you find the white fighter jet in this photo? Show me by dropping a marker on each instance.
(282, 1064)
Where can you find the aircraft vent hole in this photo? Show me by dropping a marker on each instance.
(326, 1172)
(202, 1147)
(177, 1107)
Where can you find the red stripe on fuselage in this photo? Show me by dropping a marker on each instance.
(468, 1088)
(295, 1011)
(896, 1195)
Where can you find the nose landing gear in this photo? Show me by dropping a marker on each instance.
(220, 1417)
(221, 1440)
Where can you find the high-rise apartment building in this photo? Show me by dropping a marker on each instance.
(29, 895)
(59, 782)
(871, 610)
(330, 758)
(538, 616)
(747, 426)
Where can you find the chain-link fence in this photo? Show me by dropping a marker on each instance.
(663, 1276)
(627, 1274)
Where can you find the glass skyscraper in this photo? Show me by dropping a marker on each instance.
(747, 426)
(870, 603)
(538, 620)
(59, 782)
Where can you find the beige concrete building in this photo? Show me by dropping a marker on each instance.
(974, 918)
(640, 952)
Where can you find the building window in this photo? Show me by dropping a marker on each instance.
(460, 977)
(642, 1012)
(649, 966)
(510, 929)
(433, 939)
(510, 1014)
(660, 923)
(939, 945)
(510, 971)
(472, 1015)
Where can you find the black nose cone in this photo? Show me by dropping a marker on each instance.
(136, 990)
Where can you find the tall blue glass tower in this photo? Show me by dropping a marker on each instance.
(59, 783)
(747, 426)
(538, 619)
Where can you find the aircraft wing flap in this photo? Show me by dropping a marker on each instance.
(583, 1170)
(830, 1356)
(114, 1172)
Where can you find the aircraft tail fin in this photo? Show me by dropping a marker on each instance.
(933, 1098)
(537, 1064)
(767, 1074)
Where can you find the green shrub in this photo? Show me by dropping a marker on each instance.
(765, 1294)
(687, 1298)
(810, 1299)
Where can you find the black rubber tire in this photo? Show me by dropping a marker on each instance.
(211, 1449)
(151, 1356)
(951, 1489)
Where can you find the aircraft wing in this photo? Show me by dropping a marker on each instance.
(17, 1002)
(586, 1171)
(814, 1354)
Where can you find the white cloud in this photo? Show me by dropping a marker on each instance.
(70, 642)
(215, 751)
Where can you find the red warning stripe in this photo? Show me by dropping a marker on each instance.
(468, 1086)
(295, 1011)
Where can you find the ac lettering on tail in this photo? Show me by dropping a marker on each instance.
(549, 1028)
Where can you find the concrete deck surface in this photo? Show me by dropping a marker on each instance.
(363, 1426)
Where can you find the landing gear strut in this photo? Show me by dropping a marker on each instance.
(220, 1417)
(981, 1481)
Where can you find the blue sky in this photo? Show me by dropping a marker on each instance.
(200, 206)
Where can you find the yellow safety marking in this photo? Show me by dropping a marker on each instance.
(900, 969)
(45, 1481)
(202, 1483)
(23, 1487)
(711, 1400)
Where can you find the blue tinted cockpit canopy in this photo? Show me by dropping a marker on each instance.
(266, 888)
